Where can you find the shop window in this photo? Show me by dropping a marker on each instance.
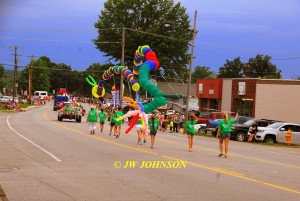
(243, 107)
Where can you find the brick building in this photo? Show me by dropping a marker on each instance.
(259, 98)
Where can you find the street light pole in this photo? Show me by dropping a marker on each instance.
(122, 63)
(190, 70)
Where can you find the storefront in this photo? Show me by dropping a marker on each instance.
(209, 93)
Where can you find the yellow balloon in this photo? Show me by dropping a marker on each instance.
(94, 92)
(135, 87)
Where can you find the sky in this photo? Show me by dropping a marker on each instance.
(227, 29)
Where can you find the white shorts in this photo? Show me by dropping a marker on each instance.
(138, 127)
(92, 126)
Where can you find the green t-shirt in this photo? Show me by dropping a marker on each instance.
(102, 116)
(225, 128)
(113, 118)
(153, 125)
(67, 109)
(117, 115)
(139, 122)
(190, 126)
(93, 116)
(77, 111)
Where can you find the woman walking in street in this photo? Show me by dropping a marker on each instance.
(112, 120)
(153, 125)
(92, 119)
(223, 132)
(118, 125)
(102, 116)
(189, 125)
(140, 131)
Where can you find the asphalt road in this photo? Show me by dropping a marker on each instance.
(44, 159)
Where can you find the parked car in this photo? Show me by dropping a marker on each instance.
(205, 116)
(5, 99)
(276, 133)
(240, 131)
(169, 112)
(213, 124)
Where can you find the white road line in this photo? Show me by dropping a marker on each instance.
(34, 144)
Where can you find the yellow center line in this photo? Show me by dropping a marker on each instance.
(234, 174)
(236, 155)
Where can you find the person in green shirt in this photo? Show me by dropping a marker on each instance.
(67, 109)
(153, 126)
(224, 130)
(189, 125)
(112, 122)
(140, 130)
(118, 114)
(92, 119)
(102, 116)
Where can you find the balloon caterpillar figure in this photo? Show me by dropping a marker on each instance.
(141, 72)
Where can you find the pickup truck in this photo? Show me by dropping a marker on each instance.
(240, 131)
(205, 116)
(213, 124)
(276, 133)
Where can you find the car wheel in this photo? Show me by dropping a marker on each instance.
(269, 139)
(201, 130)
(241, 137)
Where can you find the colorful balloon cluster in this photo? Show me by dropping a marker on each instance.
(126, 73)
(138, 113)
(98, 90)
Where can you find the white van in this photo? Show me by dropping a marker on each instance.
(40, 94)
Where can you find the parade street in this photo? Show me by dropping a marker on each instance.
(46, 159)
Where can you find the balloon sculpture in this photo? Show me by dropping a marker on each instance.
(141, 72)
(144, 61)
(98, 90)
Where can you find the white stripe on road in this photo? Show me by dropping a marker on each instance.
(33, 143)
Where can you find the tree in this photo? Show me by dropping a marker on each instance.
(2, 82)
(202, 72)
(260, 66)
(143, 22)
(232, 69)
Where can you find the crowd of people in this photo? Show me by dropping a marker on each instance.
(158, 122)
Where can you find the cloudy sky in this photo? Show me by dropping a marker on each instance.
(63, 30)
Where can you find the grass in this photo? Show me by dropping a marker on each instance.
(23, 105)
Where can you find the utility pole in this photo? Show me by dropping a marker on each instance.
(122, 63)
(15, 71)
(191, 67)
(30, 78)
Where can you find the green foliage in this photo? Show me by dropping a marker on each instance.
(201, 72)
(260, 66)
(231, 69)
(2, 71)
(152, 16)
(40, 76)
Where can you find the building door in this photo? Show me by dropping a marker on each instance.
(243, 106)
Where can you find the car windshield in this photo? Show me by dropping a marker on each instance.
(275, 125)
(249, 122)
